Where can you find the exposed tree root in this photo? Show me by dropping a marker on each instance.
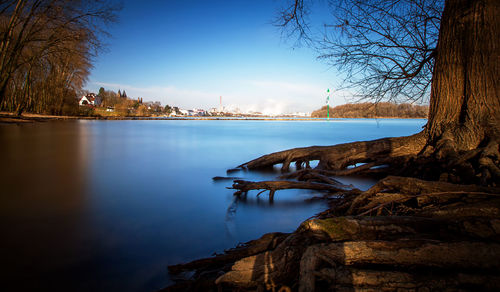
(339, 157)
(353, 252)
(266, 242)
(361, 250)
(481, 260)
(433, 234)
(272, 186)
(342, 278)
(451, 240)
(224, 178)
(420, 193)
(404, 156)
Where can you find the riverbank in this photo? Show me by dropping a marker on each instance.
(6, 117)
(11, 118)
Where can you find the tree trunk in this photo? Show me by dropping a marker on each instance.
(461, 141)
(465, 103)
(443, 236)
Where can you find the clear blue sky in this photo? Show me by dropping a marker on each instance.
(187, 53)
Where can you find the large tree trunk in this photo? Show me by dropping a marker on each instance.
(461, 141)
(433, 235)
(465, 103)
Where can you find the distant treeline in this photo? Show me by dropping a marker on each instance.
(374, 110)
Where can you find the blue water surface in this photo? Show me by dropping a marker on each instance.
(107, 205)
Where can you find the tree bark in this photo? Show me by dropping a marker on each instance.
(443, 258)
(465, 100)
(453, 229)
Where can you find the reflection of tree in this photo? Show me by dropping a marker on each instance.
(230, 216)
(44, 177)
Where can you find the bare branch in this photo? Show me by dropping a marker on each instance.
(386, 49)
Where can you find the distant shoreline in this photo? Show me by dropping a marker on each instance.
(10, 118)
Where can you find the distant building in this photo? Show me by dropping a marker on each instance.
(252, 113)
(199, 112)
(90, 99)
(152, 104)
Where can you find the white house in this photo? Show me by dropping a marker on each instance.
(89, 99)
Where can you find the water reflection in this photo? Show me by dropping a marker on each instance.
(107, 205)
(43, 179)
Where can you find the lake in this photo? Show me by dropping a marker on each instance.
(106, 205)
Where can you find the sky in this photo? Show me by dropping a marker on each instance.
(189, 53)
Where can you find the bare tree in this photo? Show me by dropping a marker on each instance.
(50, 45)
(393, 49)
(385, 48)
(460, 141)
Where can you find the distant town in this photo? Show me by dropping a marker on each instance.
(117, 104)
(110, 103)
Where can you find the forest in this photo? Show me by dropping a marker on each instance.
(47, 48)
(373, 110)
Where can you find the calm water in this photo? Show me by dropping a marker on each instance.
(107, 205)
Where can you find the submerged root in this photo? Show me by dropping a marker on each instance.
(405, 233)
(272, 186)
(432, 234)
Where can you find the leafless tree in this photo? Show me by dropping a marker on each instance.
(386, 49)
(397, 49)
(47, 48)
